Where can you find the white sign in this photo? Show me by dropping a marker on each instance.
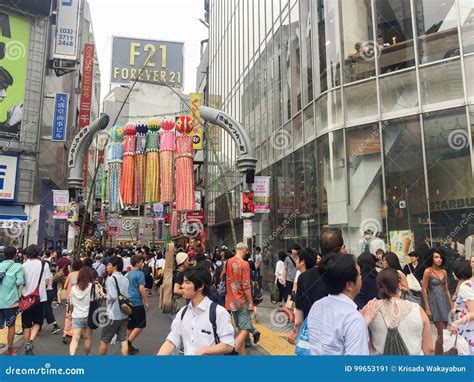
(247, 229)
(8, 177)
(67, 30)
(198, 200)
(261, 197)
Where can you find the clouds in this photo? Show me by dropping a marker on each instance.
(176, 20)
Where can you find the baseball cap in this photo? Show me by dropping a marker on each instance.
(181, 257)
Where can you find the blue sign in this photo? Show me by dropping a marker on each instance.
(8, 177)
(61, 103)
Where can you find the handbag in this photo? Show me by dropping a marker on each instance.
(274, 293)
(454, 349)
(33, 298)
(93, 318)
(413, 282)
(123, 301)
(302, 341)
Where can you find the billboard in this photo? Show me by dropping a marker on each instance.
(61, 103)
(196, 100)
(60, 204)
(65, 47)
(14, 48)
(161, 61)
(8, 178)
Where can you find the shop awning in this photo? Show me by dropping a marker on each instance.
(12, 212)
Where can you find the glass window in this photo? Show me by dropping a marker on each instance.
(358, 40)
(285, 68)
(469, 65)
(451, 186)
(261, 21)
(289, 140)
(300, 196)
(328, 43)
(306, 51)
(328, 111)
(441, 83)
(365, 186)
(297, 128)
(280, 140)
(398, 93)
(310, 215)
(332, 194)
(278, 96)
(265, 154)
(437, 30)
(407, 211)
(270, 77)
(394, 35)
(361, 100)
(466, 11)
(295, 57)
(309, 127)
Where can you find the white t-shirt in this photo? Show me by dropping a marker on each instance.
(279, 268)
(160, 264)
(298, 273)
(32, 269)
(126, 263)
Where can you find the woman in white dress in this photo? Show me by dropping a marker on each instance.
(393, 312)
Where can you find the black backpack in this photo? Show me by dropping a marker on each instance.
(257, 294)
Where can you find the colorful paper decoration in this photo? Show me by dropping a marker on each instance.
(152, 187)
(127, 187)
(114, 173)
(140, 163)
(185, 198)
(167, 149)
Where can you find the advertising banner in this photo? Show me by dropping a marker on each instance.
(198, 200)
(86, 95)
(247, 208)
(401, 243)
(60, 204)
(14, 49)
(61, 103)
(72, 212)
(196, 101)
(261, 189)
(158, 211)
(66, 30)
(162, 61)
(8, 178)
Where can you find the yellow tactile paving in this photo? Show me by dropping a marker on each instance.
(274, 343)
(4, 331)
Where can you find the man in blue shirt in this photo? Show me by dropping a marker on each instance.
(138, 297)
(335, 326)
(11, 288)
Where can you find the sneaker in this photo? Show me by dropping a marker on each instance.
(29, 348)
(12, 352)
(56, 329)
(132, 350)
(19, 333)
(256, 337)
(149, 294)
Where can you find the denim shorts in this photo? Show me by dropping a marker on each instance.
(80, 323)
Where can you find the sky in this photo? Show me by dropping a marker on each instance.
(176, 20)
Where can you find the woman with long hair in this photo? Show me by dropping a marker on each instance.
(464, 310)
(80, 299)
(369, 289)
(435, 292)
(71, 280)
(279, 280)
(390, 261)
(394, 312)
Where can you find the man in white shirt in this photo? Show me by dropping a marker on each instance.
(335, 326)
(32, 318)
(193, 326)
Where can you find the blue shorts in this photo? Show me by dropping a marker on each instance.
(8, 316)
(80, 323)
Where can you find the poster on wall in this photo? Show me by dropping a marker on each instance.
(401, 243)
(261, 189)
(73, 212)
(8, 178)
(60, 204)
(14, 48)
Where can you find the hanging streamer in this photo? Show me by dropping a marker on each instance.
(114, 173)
(140, 163)
(185, 198)
(167, 149)
(127, 186)
(152, 187)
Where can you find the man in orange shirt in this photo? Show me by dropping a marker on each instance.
(239, 294)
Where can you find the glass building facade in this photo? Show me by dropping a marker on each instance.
(361, 111)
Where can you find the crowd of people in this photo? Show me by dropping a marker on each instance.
(343, 304)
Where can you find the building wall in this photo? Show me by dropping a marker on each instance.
(370, 135)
